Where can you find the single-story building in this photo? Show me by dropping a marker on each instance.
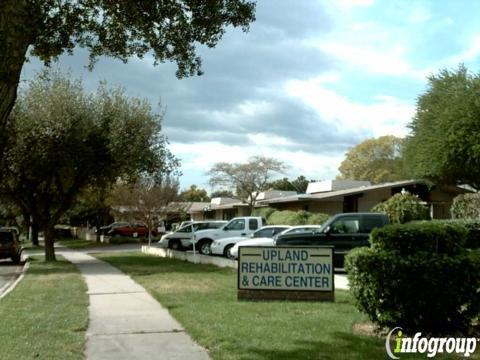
(336, 196)
(228, 208)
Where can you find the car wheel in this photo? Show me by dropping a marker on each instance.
(227, 252)
(175, 244)
(116, 235)
(204, 247)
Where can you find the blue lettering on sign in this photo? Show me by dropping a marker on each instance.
(306, 282)
(290, 255)
(270, 280)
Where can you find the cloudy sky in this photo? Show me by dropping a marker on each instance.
(311, 79)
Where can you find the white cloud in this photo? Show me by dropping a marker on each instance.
(384, 61)
(472, 52)
(419, 15)
(383, 115)
(199, 157)
(260, 139)
(350, 4)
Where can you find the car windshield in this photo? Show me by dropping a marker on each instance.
(6, 237)
(301, 230)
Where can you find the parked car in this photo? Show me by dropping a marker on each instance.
(12, 228)
(343, 231)
(223, 246)
(105, 229)
(10, 246)
(134, 230)
(239, 226)
(266, 241)
(181, 238)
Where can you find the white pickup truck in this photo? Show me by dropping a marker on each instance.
(239, 226)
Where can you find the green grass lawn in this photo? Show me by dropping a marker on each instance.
(89, 244)
(46, 315)
(29, 246)
(203, 299)
(79, 243)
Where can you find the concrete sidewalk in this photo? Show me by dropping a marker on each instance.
(125, 322)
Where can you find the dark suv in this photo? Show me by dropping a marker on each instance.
(10, 246)
(343, 231)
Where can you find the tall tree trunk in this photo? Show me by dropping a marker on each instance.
(49, 234)
(15, 38)
(34, 226)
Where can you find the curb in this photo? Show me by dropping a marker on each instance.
(12, 284)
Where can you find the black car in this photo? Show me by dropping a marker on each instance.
(344, 231)
(10, 246)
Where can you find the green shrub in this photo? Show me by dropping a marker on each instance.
(429, 236)
(263, 212)
(293, 218)
(402, 208)
(472, 227)
(466, 206)
(317, 219)
(288, 217)
(417, 276)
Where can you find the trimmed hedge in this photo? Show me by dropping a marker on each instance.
(402, 208)
(418, 276)
(433, 237)
(466, 206)
(471, 226)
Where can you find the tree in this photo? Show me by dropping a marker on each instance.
(63, 141)
(299, 185)
(443, 145)
(148, 199)
(248, 179)
(222, 193)
(93, 205)
(169, 30)
(194, 193)
(376, 160)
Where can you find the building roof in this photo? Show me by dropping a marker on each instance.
(332, 195)
(334, 185)
(212, 206)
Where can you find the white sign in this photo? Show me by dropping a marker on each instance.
(286, 268)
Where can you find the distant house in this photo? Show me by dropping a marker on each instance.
(336, 196)
(228, 208)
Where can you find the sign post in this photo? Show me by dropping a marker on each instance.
(286, 273)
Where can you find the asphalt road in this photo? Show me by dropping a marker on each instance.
(7, 273)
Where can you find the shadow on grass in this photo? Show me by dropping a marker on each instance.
(344, 345)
